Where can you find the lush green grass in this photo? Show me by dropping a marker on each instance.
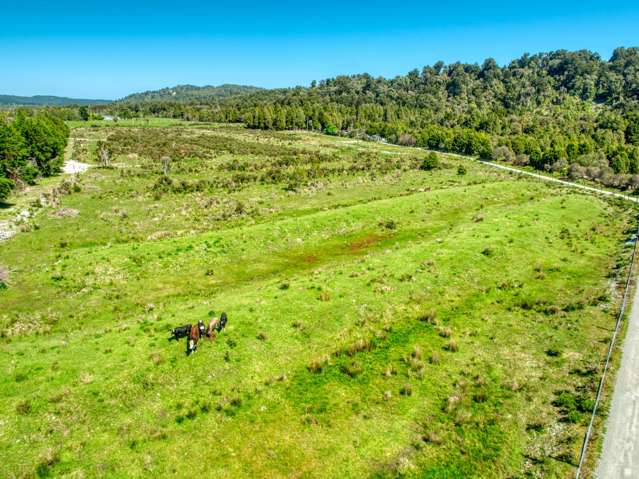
(383, 320)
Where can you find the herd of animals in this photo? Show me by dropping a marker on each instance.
(194, 332)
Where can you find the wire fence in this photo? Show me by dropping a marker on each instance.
(622, 310)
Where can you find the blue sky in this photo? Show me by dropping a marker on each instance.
(109, 49)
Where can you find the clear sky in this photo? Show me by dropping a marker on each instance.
(111, 48)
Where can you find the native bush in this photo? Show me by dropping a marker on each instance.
(430, 162)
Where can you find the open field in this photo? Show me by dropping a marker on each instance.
(384, 320)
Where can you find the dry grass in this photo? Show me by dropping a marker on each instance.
(318, 365)
(451, 346)
(406, 390)
(4, 275)
(435, 358)
(445, 332)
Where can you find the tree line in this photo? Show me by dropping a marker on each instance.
(32, 144)
(571, 112)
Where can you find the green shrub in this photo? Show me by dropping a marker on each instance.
(330, 129)
(461, 170)
(431, 162)
(6, 185)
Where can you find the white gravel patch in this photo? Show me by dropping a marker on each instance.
(7, 230)
(72, 167)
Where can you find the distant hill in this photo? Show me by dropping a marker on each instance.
(185, 93)
(46, 100)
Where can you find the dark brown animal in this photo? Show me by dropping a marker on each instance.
(194, 338)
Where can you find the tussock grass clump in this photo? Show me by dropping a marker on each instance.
(429, 317)
(479, 381)
(416, 352)
(359, 346)
(480, 397)
(406, 390)
(388, 224)
(435, 358)
(309, 420)
(46, 461)
(445, 332)
(261, 336)
(452, 403)
(462, 416)
(414, 364)
(24, 407)
(451, 346)
(511, 385)
(431, 438)
(324, 296)
(318, 365)
(156, 358)
(4, 277)
(390, 371)
(352, 368)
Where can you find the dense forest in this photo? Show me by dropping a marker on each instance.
(182, 93)
(31, 145)
(569, 112)
(573, 113)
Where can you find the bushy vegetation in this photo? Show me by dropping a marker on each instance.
(569, 112)
(183, 93)
(385, 320)
(31, 145)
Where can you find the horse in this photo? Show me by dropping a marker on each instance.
(223, 320)
(211, 332)
(201, 327)
(180, 332)
(194, 337)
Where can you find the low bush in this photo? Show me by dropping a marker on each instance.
(429, 163)
(6, 185)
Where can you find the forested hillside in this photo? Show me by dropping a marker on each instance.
(571, 112)
(46, 100)
(183, 93)
(31, 145)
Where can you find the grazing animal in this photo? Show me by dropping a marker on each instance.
(180, 332)
(194, 338)
(223, 320)
(201, 327)
(211, 332)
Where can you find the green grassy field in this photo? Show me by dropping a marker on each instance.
(384, 321)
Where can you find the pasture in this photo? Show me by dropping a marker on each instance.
(384, 320)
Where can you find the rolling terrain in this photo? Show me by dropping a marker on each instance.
(388, 317)
(46, 100)
(189, 93)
